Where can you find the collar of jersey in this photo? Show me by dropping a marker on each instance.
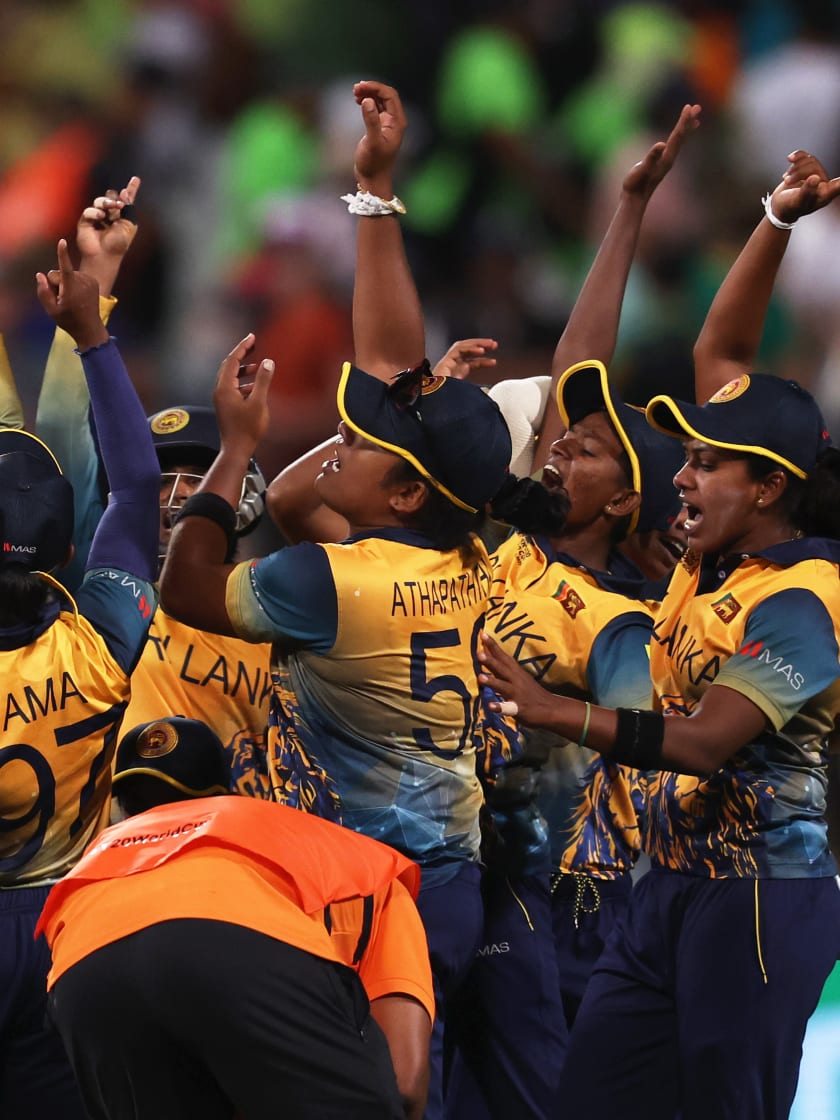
(15, 637)
(628, 581)
(714, 570)
(401, 536)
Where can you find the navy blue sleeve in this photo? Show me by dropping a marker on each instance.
(289, 595)
(127, 536)
(119, 606)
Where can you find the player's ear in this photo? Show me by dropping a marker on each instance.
(408, 497)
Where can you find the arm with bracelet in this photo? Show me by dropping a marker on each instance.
(728, 343)
(388, 329)
(722, 723)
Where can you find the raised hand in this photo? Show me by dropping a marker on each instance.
(464, 357)
(805, 187)
(71, 299)
(645, 176)
(104, 235)
(385, 126)
(241, 399)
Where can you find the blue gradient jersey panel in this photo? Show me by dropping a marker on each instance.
(374, 684)
(63, 697)
(768, 629)
(580, 633)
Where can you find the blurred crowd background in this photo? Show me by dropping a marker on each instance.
(239, 117)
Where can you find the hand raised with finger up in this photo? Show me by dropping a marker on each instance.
(71, 299)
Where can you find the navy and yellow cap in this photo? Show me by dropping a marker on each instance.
(186, 428)
(756, 414)
(190, 432)
(449, 430)
(36, 503)
(184, 753)
(583, 389)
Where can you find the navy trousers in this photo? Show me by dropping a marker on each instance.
(452, 916)
(511, 1033)
(36, 1080)
(700, 1000)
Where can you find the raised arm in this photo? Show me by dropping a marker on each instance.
(730, 337)
(63, 418)
(388, 330)
(126, 537)
(592, 328)
(198, 561)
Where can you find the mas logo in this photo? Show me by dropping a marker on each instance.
(731, 390)
(157, 740)
(726, 608)
(569, 599)
(172, 420)
(758, 650)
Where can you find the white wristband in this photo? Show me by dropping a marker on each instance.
(771, 217)
(368, 205)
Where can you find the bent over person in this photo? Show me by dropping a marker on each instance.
(224, 956)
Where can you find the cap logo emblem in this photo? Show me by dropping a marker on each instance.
(731, 390)
(157, 740)
(173, 420)
(431, 383)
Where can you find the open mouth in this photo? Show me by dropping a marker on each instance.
(552, 479)
(676, 548)
(331, 465)
(694, 517)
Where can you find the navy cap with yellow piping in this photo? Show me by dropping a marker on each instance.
(36, 503)
(755, 414)
(584, 388)
(449, 430)
(184, 753)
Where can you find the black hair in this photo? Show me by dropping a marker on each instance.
(811, 504)
(529, 507)
(445, 524)
(23, 595)
(520, 502)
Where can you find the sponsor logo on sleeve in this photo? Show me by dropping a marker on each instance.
(760, 652)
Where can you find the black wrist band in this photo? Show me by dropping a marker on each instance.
(215, 509)
(638, 739)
